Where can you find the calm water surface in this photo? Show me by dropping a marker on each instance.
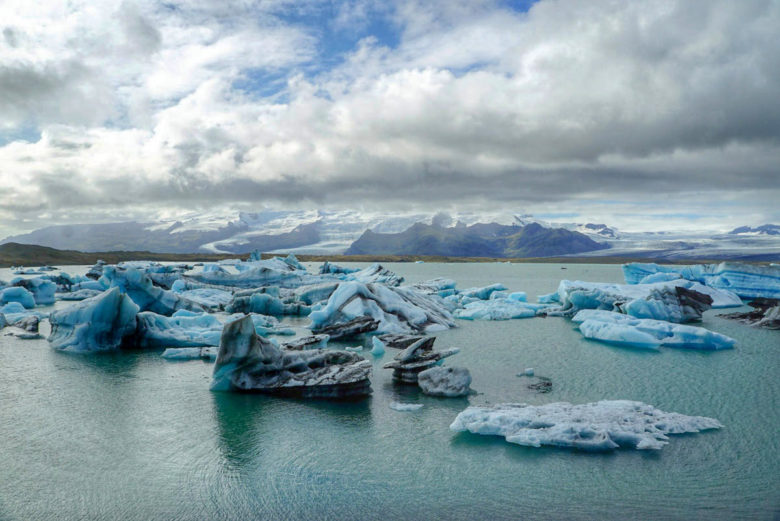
(132, 436)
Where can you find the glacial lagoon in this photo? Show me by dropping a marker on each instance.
(135, 436)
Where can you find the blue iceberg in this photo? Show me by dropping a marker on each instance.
(619, 329)
(99, 323)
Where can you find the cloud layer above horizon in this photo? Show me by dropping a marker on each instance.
(658, 111)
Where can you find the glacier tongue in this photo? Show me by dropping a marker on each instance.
(600, 426)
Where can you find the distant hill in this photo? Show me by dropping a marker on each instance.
(14, 254)
(478, 240)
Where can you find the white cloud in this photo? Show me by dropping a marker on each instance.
(569, 104)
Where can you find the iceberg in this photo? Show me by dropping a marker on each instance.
(42, 289)
(98, 323)
(375, 274)
(497, 309)
(249, 363)
(439, 286)
(265, 302)
(17, 294)
(745, 280)
(395, 309)
(315, 293)
(307, 342)
(616, 328)
(672, 304)
(483, 293)
(179, 330)
(15, 312)
(190, 353)
(405, 407)
(142, 291)
(209, 298)
(80, 294)
(576, 295)
(403, 341)
(270, 272)
(765, 314)
(594, 427)
(333, 269)
(449, 382)
(409, 363)
(377, 347)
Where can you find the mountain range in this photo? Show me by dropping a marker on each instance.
(374, 233)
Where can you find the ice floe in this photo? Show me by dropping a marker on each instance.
(600, 426)
(619, 329)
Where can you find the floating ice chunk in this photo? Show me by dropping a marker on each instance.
(376, 273)
(155, 330)
(208, 297)
(528, 371)
(98, 323)
(482, 293)
(660, 277)
(438, 286)
(307, 342)
(354, 349)
(265, 303)
(599, 426)
(377, 347)
(250, 363)
(271, 272)
(519, 296)
(449, 382)
(211, 267)
(42, 289)
(17, 294)
(671, 303)
(765, 314)
(142, 291)
(616, 328)
(576, 295)
(80, 294)
(405, 407)
(190, 353)
(15, 312)
(745, 280)
(328, 268)
(409, 363)
(315, 293)
(397, 310)
(497, 309)
(550, 298)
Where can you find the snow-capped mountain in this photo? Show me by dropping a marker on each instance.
(335, 231)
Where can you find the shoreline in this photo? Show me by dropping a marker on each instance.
(28, 255)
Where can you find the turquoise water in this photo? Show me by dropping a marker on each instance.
(132, 436)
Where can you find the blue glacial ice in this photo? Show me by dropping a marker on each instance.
(183, 329)
(17, 294)
(15, 312)
(80, 294)
(594, 427)
(142, 291)
(209, 298)
(334, 269)
(99, 323)
(208, 354)
(377, 347)
(619, 329)
(576, 295)
(396, 309)
(265, 301)
(745, 280)
(497, 309)
(670, 303)
(41, 288)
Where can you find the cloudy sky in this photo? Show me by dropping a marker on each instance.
(644, 114)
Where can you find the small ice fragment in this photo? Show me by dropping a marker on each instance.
(378, 348)
(398, 406)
